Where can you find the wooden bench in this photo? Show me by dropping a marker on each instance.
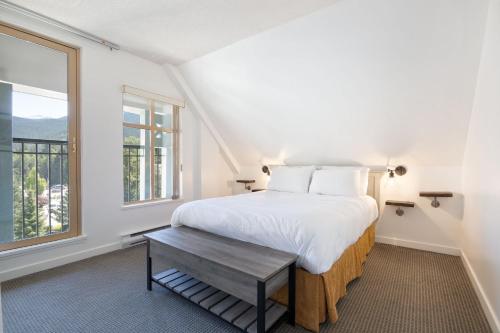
(228, 277)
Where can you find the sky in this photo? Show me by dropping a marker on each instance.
(35, 106)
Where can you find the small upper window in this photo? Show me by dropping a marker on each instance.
(150, 149)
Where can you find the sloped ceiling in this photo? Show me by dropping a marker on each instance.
(361, 81)
(173, 31)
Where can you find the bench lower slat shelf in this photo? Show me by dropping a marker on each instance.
(250, 316)
(233, 310)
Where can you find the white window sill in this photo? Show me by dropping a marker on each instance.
(42, 246)
(152, 203)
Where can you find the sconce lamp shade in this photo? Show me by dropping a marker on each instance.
(399, 170)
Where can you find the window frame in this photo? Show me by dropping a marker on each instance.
(151, 99)
(73, 77)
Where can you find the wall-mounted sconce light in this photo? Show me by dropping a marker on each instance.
(399, 170)
(265, 169)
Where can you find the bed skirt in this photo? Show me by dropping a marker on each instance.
(317, 294)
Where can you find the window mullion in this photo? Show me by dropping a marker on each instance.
(175, 151)
(151, 149)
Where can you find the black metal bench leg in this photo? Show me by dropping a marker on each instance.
(148, 264)
(261, 307)
(291, 294)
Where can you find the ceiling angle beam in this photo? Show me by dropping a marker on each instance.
(182, 84)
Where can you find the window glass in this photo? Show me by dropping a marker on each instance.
(163, 115)
(149, 155)
(136, 164)
(135, 110)
(163, 165)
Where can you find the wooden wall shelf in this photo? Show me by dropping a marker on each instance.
(436, 194)
(400, 205)
(247, 183)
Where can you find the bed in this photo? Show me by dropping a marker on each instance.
(331, 234)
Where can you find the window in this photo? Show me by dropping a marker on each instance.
(150, 147)
(39, 191)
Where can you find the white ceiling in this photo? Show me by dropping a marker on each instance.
(173, 31)
(361, 81)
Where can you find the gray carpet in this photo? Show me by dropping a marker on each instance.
(401, 290)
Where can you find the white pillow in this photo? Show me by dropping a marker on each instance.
(337, 181)
(364, 172)
(290, 179)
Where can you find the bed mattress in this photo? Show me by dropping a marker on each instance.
(318, 228)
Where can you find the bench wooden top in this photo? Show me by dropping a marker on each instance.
(254, 260)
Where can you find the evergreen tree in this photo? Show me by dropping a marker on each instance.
(131, 167)
(30, 182)
(28, 216)
(18, 207)
(61, 215)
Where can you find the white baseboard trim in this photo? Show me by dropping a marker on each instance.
(419, 245)
(58, 261)
(485, 303)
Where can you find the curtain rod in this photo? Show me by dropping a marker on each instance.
(57, 24)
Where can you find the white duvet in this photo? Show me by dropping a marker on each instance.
(318, 228)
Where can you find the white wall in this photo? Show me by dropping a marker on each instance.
(360, 82)
(103, 72)
(481, 227)
(216, 176)
(421, 227)
(424, 227)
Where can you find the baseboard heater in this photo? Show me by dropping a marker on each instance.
(137, 238)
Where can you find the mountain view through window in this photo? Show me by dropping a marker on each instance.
(39, 164)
